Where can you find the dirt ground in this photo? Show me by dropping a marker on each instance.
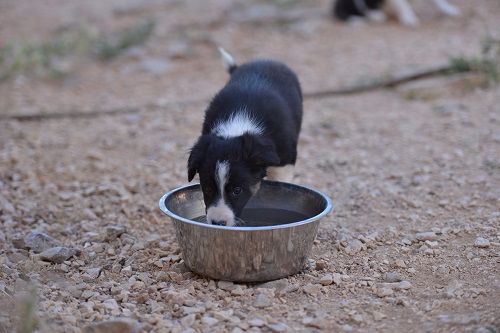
(412, 245)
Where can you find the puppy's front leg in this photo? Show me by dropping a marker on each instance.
(403, 11)
(283, 174)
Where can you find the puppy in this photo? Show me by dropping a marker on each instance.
(378, 10)
(251, 128)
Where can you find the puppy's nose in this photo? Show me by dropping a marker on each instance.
(219, 222)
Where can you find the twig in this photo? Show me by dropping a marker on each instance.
(382, 84)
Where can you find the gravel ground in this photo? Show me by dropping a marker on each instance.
(414, 241)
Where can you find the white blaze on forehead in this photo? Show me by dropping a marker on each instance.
(221, 212)
(237, 124)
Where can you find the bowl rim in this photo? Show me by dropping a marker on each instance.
(324, 212)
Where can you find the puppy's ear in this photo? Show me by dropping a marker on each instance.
(260, 151)
(197, 155)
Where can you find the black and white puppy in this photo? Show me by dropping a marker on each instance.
(378, 10)
(251, 130)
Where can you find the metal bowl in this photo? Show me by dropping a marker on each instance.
(281, 224)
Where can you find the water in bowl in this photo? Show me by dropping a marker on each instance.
(263, 217)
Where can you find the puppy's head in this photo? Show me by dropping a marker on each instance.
(230, 172)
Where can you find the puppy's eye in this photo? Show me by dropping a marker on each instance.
(236, 191)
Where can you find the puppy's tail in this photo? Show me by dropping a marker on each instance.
(228, 60)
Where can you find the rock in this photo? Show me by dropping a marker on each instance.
(209, 321)
(403, 285)
(321, 265)
(256, 322)
(114, 231)
(428, 235)
(481, 242)
(237, 330)
(326, 279)
(357, 318)
(262, 301)
(378, 315)
(312, 289)
(406, 241)
(312, 322)
(278, 285)
(399, 263)
(58, 254)
(35, 241)
(278, 327)
(354, 246)
(383, 292)
(226, 285)
(337, 278)
(113, 326)
(189, 320)
(93, 273)
(392, 277)
(111, 304)
(237, 291)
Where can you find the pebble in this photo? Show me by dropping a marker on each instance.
(428, 235)
(93, 273)
(337, 278)
(256, 322)
(312, 289)
(354, 246)
(209, 321)
(326, 279)
(378, 315)
(403, 285)
(278, 327)
(383, 292)
(58, 254)
(392, 277)
(262, 301)
(400, 263)
(226, 285)
(114, 231)
(312, 322)
(406, 241)
(481, 242)
(321, 265)
(189, 320)
(38, 242)
(113, 326)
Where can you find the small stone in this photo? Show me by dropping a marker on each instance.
(403, 285)
(237, 291)
(93, 273)
(378, 315)
(337, 278)
(406, 241)
(256, 322)
(392, 277)
(262, 301)
(189, 320)
(278, 327)
(237, 330)
(209, 321)
(312, 322)
(111, 304)
(114, 231)
(113, 326)
(383, 292)
(428, 235)
(58, 254)
(354, 246)
(399, 263)
(312, 289)
(226, 285)
(321, 265)
(357, 318)
(127, 270)
(481, 242)
(39, 242)
(326, 279)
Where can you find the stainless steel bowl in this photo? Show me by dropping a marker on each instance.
(267, 248)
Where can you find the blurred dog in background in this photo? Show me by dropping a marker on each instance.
(379, 10)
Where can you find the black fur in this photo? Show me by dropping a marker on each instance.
(270, 93)
(345, 9)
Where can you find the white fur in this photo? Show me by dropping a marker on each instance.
(447, 8)
(227, 58)
(221, 211)
(238, 124)
(403, 11)
(284, 173)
